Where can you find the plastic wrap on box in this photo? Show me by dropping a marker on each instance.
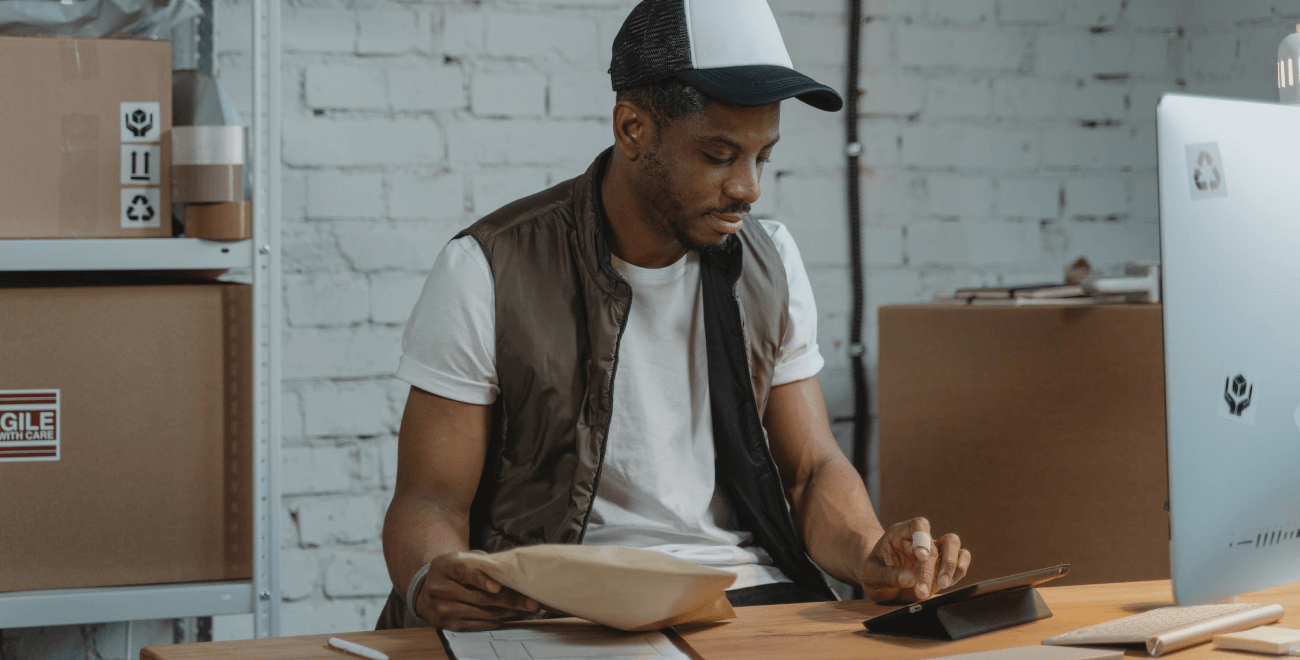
(94, 19)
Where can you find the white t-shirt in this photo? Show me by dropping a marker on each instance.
(657, 487)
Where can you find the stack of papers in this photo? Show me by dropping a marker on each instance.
(561, 640)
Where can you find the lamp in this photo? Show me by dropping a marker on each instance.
(1288, 60)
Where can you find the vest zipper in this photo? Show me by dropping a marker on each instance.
(613, 371)
(764, 447)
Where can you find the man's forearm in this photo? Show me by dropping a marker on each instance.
(416, 531)
(836, 521)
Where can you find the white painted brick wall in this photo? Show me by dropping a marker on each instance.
(331, 520)
(991, 128)
(345, 195)
(392, 30)
(435, 87)
(426, 195)
(986, 133)
(354, 142)
(336, 299)
(508, 93)
(340, 87)
(392, 295)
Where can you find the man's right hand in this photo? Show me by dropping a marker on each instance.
(459, 597)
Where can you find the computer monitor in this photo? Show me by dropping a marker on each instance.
(1230, 242)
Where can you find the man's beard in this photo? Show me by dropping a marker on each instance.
(665, 211)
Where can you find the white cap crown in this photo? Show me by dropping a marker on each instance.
(727, 33)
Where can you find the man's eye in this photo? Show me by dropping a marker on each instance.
(717, 161)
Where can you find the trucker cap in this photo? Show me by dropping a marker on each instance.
(731, 50)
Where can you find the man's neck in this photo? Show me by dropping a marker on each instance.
(632, 239)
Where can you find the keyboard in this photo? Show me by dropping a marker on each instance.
(1138, 628)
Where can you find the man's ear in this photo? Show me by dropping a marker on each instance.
(634, 131)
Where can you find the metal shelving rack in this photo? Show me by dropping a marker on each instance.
(259, 596)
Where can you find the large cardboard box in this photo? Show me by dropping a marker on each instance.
(1037, 434)
(85, 129)
(125, 435)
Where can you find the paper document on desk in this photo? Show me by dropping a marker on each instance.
(1040, 653)
(624, 588)
(563, 640)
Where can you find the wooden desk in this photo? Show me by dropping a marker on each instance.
(822, 631)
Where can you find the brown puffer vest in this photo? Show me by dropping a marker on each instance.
(560, 313)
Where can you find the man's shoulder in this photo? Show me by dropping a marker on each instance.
(553, 205)
(781, 240)
(776, 231)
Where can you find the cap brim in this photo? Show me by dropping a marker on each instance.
(761, 84)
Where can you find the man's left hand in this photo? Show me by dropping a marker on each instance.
(897, 571)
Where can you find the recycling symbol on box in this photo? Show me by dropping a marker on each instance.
(1206, 172)
(141, 208)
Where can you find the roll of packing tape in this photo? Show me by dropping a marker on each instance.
(229, 221)
(207, 145)
(208, 183)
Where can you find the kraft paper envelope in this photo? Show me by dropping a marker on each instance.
(624, 588)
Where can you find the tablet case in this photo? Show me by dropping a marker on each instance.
(979, 608)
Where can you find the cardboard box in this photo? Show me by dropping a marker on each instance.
(85, 129)
(125, 435)
(1037, 434)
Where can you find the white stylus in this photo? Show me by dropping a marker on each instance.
(357, 649)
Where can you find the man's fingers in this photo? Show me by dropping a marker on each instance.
(949, 554)
(963, 564)
(466, 574)
(879, 576)
(926, 573)
(506, 599)
(918, 529)
(466, 617)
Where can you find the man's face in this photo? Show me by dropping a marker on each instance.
(700, 176)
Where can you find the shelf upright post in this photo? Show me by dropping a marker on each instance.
(266, 302)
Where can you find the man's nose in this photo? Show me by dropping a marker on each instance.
(743, 184)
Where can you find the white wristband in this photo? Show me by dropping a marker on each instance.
(413, 590)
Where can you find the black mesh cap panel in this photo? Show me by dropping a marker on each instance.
(652, 44)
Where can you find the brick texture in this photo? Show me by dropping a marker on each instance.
(1002, 140)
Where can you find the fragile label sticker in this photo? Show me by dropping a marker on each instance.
(1237, 400)
(141, 165)
(141, 208)
(29, 425)
(140, 121)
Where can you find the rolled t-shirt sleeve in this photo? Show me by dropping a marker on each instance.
(449, 346)
(800, 356)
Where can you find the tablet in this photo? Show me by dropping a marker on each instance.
(916, 619)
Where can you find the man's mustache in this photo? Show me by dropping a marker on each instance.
(734, 209)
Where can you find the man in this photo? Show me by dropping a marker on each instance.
(628, 359)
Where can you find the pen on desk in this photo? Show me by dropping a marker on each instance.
(357, 649)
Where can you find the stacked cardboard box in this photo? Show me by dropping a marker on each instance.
(125, 434)
(1037, 434)
(85, 129)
